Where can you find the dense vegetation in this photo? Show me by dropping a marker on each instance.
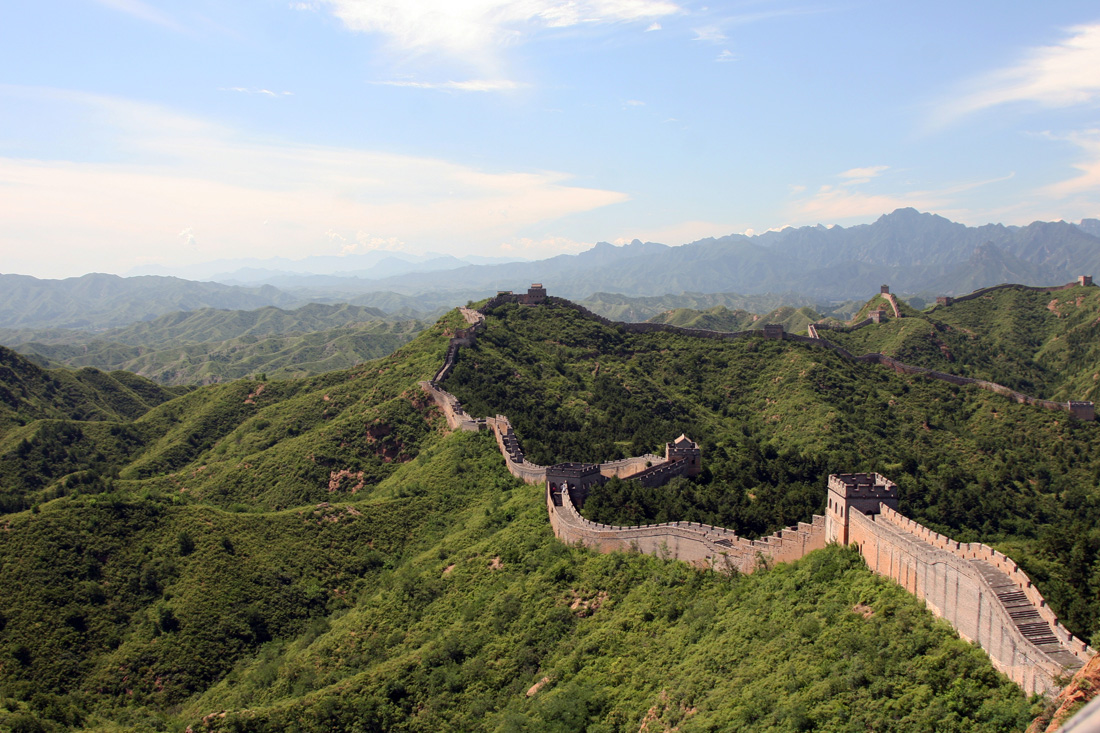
(774, 418)
(208, 345)
(1046, 344)
(434, 602)
(317, 554)
(720, 318)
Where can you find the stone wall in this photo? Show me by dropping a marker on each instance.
(1004, 286)
(629, 466)
(698, 544)
(457, 418)
(979, 591)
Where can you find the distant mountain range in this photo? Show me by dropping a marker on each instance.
(914, 252)
(919, 255)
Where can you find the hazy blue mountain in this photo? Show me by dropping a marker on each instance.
(913, 251)
(98, 301)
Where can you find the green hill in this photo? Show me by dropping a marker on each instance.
(1046, 344)
(207, 346)
(720, 318)
(773, 418)
(319, 554)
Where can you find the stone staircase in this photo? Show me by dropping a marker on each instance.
(1025, 615)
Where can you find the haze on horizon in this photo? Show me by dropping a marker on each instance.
(158, 131)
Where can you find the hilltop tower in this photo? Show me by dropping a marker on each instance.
(861, 491)
(1084, 279)
(687, 449)
(884, 290)
(536, 294)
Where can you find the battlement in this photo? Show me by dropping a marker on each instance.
(773, 330)
(685, 449)
(863, 485)
(863, 492)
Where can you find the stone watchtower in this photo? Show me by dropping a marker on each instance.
(536, 294)
(863, 492)
(685, 448)
(884, 290)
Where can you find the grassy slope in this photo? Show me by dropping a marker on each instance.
(217, 572)
(774, 418)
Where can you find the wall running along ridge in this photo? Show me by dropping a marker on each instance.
(979, 591)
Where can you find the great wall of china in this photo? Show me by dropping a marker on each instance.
(979, 591)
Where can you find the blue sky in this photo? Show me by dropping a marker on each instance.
(154, 131)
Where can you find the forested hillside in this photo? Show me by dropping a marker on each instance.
(319, 554)
(209, 346)
(773, 418)
(720, 318)
(1046, 344)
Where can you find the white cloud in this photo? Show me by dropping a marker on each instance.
(472, 85)
(653, 27)
(1075, 197)
(862, 175)
(726, 55)
(635, 103)
(1060, 75)
(709, 34)
(247, 90)
(473, 31)
(831, 203)
(158, 177)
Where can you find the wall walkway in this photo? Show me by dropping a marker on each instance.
(979, 591)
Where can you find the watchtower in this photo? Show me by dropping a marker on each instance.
(1084, 279)
(1082, 410)
(944, 300)
(884, 290)
(576, 478)
(687, 449)
(773, 330)
(878, 316)
(864, 492)
(535, 294)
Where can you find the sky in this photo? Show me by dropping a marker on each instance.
(136, 133)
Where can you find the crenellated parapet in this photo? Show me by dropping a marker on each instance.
(979, 591)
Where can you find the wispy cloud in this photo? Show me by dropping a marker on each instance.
(159, 177)
(1059, 75)
(709, 34)
(635, 103)
(471, 85)
(247, 90)
(653, 27)
(142, 11)
(856, 176)
(845, 200)
(474, 32)
(1088, 181)
(726, 55)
